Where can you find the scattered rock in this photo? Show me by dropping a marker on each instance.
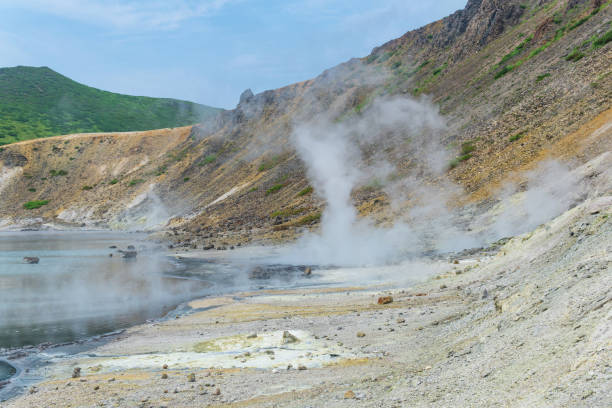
(360, 334)
(383, 300)
(217, 391)
(191, 377)
(164, 376)
(307, 271)
(400, 320)
(31, 259)
(301, 367)
(288, 338)
(96, 388)
(165, 366)
(349, 395)
(76, 373)
(252, 336)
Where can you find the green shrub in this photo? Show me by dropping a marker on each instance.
(578, 23)
(87, 188)
(32, 205)
(287, 212)
(305, 191)
(269, 164)
(396, 64)
(55, 173)
(517, 137)
(275, 188)
(135, 181)
(575, 55)
(209, 159)
(186, 179)
(503, 71)
(32, 190)
(603, 40)
(467, 148)
(542, 77)
(113, 181)
(455, 162)
(161, 170)
(308, 219)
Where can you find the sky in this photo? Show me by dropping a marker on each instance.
(206, 51)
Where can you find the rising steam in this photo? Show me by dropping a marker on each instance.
(340, 157)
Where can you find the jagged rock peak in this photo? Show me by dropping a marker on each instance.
(246, 96)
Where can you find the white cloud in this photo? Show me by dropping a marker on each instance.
(124, 14)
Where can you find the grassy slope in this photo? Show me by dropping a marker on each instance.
(39, 102)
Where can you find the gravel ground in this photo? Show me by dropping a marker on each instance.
(530, 326)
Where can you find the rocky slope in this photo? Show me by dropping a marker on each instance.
(516, 81)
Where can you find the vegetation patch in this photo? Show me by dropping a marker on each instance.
(603, 40)
(575, 55)
(135, 181)
(287, 212)
(56, 173)
(208, 159)
(516, 51)
(542, 77)
(32, 205)
(308, 219)
(269, 164)
(113, 181)
(274, 189)
(305, 191)
(26, 112)
(186, 179)
(161, 170)
(466, 153)
(32, 190)
(516, 137)
(86, 188)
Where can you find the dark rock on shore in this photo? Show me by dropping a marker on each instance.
(31, 259)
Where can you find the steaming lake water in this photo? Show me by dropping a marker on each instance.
(77, 290)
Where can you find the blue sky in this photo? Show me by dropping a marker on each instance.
(206, 51)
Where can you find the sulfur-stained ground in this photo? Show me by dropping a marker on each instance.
(528, 327)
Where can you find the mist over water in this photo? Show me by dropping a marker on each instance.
(78, 290)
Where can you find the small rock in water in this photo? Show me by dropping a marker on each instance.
(288, 338)
(485, 294)
(301, 367)
(76, 373)
(164, 376)
(217, 391)
(191, 377)
(252, 336)
(401, 320)
(165, 366)
(307, 271)
(31, 259)
(383, 300)
(360, 334)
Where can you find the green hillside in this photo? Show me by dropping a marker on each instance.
(39, 102)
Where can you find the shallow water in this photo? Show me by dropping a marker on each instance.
(78, 290)
(6, 370)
